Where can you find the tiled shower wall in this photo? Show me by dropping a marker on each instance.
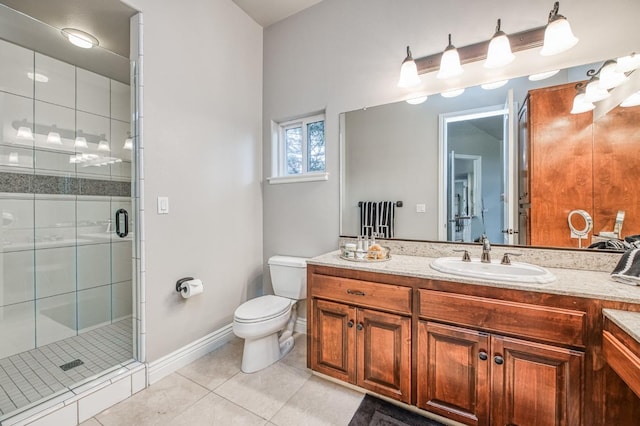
(63, 270)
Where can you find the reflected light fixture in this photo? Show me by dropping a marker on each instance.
(24, 133)
(128, 143)
(452, 93)
(543, 75)
(103, 145)
(631, 101)
(408, 72)
(81, 142)
(13, 157)
(580, 103)
(79, 38)
(499, 53)
(610, 77)
(416, 100)
(558, 36)
(450, 62)
(40, 78)
(494, 85)
(54, 138)
(628, 63)
(595, 93)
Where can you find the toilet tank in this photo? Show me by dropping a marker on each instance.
(289, 276)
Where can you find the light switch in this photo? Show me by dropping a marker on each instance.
(163, 205)
(421, 208)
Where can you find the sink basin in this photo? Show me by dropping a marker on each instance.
(495, 271)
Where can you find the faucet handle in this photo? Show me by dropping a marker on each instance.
(505, 258)
(466, 257)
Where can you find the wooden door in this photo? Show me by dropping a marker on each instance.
(453, 372)
(384, 354)
(535, 384)
(333, 341)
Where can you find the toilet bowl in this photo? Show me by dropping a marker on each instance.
(266, 323)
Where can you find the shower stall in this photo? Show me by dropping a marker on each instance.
(67, 282)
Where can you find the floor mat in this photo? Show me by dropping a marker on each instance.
(376, 412)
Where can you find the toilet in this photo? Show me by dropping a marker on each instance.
(266, 323)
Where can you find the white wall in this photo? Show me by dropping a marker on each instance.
(202, 95)
(343, 55)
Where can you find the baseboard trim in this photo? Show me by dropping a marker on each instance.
(300, 326)
(166, 365)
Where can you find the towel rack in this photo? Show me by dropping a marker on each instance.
(397, 203)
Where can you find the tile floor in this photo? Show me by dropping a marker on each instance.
(29, 376)
(213, 391)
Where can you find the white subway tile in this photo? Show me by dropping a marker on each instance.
(16, 62)
(61, 87)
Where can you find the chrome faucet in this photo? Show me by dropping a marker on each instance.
(486, 249)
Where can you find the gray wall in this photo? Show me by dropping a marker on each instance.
(201, 126)
(344, 55)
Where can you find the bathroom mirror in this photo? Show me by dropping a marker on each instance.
(393, 152)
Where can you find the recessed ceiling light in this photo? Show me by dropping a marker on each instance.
(40, 78)
(494, 85)
(416, 100)
(543, 75)
(452, 93)
(79, 38)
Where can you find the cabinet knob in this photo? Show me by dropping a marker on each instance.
(359, 327)
(498, 360)
(483, 355)
(350, 323)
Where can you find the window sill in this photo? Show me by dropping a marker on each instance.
(310, 177)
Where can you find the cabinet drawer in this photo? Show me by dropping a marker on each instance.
(545, 323)
(386, 297)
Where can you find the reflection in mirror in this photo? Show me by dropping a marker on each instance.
(538, 169)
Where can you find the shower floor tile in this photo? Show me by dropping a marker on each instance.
(29, 376)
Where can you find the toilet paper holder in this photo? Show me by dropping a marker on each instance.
(181, 281)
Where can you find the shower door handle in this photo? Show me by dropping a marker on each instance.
(119, 230)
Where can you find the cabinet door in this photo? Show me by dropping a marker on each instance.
(384, 354)
(535, 384)
(453, 372)
(333, 340)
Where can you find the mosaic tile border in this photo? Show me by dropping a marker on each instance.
(67, 185)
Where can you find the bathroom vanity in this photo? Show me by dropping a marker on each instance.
(476, 351)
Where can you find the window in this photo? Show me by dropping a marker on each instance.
(300, 150)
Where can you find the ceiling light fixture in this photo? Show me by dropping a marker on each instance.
(494, 85)
(452, 93)
(416, 100)
(79, 38)
(543, 75)
(40, 78)
(558, 36)
(408, 72)
(499, 53)
(450, 62)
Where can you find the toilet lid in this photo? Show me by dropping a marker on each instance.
(262, 308)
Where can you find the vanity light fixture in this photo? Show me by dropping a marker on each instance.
(558, 36)
(103, 145)
(631, 101)
(543, 75)
(54, 138)
(580, 103)
(628, 63)
(494, 85)
(450, 62)
(81, 142)
(128, 143)
(452, 93)
(79, 38)
(610, 77)
(408, 72)
(24, 133)
(499, 53)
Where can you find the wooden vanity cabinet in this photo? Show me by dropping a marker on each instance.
(360, 332)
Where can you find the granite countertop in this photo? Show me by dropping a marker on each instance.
(628, 321)
(571, 282)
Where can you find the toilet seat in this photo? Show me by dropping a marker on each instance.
(262, 308)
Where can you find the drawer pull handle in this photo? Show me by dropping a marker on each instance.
(350, 323)
(483, 355)
(359, 327)
(498, 359)
(356, 292)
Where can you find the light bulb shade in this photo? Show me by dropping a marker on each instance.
(81, 142)
(580, 104)
(543, 75)
(631, 101)
(450, 64)
(128, 144)
(416, 100)
(494, 85)
(452, 93)
(628, 63)
(408, 72)
(103, 145)
(54, 138)
(558, 37)
(79, 38)
(499, 53)
(610, 77)
(24, 133)
(594, 93)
